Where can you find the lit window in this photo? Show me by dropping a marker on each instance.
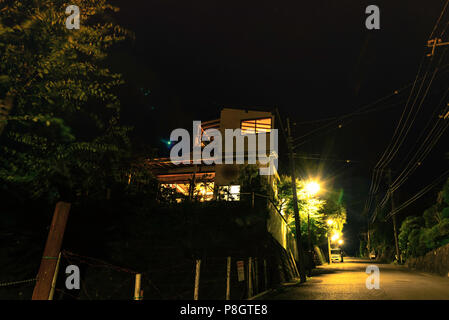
(229, 193)
(203, 191)
(256, 126)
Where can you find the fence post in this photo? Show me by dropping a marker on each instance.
(197, 279)
(265, 273)
(55, 276)
(137, 295)
(252, 199)
(250, 277)
(228, 279)
(256, 275)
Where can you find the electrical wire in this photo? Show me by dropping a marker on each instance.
(439, 19)
(397, 140)
(419, 194)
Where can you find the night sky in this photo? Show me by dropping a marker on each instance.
(312, 60)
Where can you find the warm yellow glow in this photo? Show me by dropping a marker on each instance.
(256, 126)
(203, 191)
(335, 237)
(340, 241)
(312, 188)
(330, 222)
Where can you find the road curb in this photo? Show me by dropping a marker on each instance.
(293, 283)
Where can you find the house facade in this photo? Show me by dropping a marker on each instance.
(219, 180)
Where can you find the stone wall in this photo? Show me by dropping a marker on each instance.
(435, 261)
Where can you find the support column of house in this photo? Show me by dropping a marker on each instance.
(193, 182)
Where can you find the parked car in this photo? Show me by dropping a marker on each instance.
(336, 255)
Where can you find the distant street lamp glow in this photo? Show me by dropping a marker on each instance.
(335, 237)
(330, 222)
(340, 241)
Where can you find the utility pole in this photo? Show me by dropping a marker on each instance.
(309, 242)
(433, 43)
(394, 218)
(368, 245)
(302, 273)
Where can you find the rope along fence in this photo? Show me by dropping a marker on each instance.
(13, 283)
(236, 277)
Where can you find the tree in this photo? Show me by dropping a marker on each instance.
(418, 235)
(409, 235)
(63, 137)
(318, 208)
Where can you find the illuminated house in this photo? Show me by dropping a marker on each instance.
(205, 182)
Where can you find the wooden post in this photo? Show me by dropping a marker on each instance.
(197, 279)
(265, 273)
(250, 277)
(137, 290)
(228, 279)
(55, 276)
(252, 199)
(256, 275)
(395, 231)
(52, 248)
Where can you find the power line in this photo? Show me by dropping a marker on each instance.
(335, 120)
(356, 112)
(398, 139)
(425, 148)
(413, 165)
(386, 156)
(324, 159)
(439, 19)
(419, 194)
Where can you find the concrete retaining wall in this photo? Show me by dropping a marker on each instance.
(435, 261)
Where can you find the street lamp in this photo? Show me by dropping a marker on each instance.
(312, 188)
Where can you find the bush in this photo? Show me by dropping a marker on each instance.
(431, 216)
(414, 247)
(429, 237)
(446, 192)
(409, 225)
(445, 213)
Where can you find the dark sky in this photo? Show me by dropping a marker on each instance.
(311, 59)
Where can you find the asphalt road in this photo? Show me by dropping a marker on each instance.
(347, 280)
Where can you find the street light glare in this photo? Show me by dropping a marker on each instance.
(312, 188)
(330, 222)
(335, 237)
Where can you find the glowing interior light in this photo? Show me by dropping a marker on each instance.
(234, 189)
